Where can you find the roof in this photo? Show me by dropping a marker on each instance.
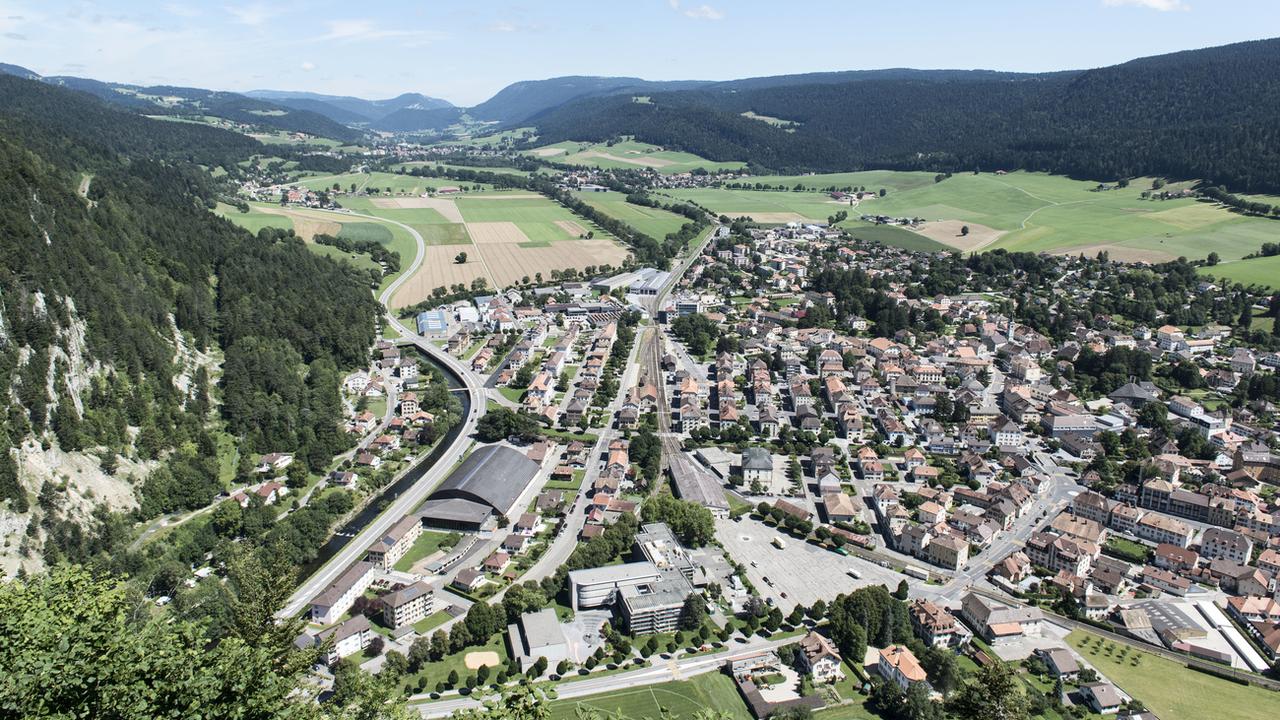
(493, 475)
(353, 626)
(1105, 693)
(407, 594)
(898, 656)
(541, 629)
(345, 581)
(756, 458)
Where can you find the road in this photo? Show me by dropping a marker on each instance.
(411, 498)
(660, 672)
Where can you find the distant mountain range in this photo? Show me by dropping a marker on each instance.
(1206, 114)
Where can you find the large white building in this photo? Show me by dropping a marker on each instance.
(337, 599)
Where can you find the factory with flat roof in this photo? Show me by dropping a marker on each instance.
(486, 485)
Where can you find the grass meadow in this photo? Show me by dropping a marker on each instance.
(713, 691)
(654, 222)
(628, 155)
(1264, 271)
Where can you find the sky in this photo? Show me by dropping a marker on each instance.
(466, 50)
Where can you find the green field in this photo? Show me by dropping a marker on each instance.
(453, 166)
(255, 219)
(384, 182)
(627, 155)
(713, 691)
(1172, 691)
(535, 216)
(893, 235)
(872, 180)
(1264, 272)
(1032, 212)
(765, 206)
(396, 237)
(1055, 214)
(427, 543)
(653, 222)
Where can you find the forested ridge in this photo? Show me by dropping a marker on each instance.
(128, 268)
(1205, 114)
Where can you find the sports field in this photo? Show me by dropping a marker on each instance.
(1172, 691)
(654, 222)
(1264, 271)
(627, 155)
(713, 691)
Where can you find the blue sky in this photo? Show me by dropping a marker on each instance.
(464, 51)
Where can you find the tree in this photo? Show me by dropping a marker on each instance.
(993, 693)
(374, 649)
(694, 612)
(692, 523)
(903, 591)
(1212, 259)
(439, 645)
(964, 231)
(460, 258)
(125, 662)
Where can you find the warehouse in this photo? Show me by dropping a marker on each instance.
(486, 485)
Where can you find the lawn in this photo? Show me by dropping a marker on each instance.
(1175, 692)
(654, 222)
(255, 219)
(512, 394)
(427, 543)
(439, 671)
(712, 691)
(1127, 549)
(1052, 213)
(431, 622)
(765, 206)
(628, 155)
(893, 236)
(1264, 272)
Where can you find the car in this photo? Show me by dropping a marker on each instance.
(755, 564)
(784, 596)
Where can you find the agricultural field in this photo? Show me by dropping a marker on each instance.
(507, 237)
(384, 182)
(765, 206)
(308, 223)
(1170, 690)
(654, 222)
(712, 691)
(627, 155)
(1019, 211)
(439, 165)
(1264, 271)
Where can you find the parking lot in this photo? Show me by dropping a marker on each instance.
(800, 571)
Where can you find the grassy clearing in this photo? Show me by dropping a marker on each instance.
(894, 236)
(712, 691)
(1264, 272)
(255, 219)
(764, 205)
(650, 221)
(439, 671)
(1171, 690)
(628, 155)
(427, 543)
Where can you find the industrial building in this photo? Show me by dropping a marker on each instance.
(486, 485)
(537, 634)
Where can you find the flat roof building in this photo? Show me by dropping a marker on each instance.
(538, 634)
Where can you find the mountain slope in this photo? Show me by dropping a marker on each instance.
(1197, 114)
(347, 109)
(520, 101)
(195, 101)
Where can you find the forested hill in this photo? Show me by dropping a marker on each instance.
(95, 290)
(522, 100)
(1196, 114)
(167, 100)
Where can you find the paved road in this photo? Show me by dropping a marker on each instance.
(660, 672)
(411, 498)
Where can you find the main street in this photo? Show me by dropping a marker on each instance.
(408, 500)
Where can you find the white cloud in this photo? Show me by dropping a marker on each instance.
(182, 10)
(308, 66)
(252, 15)
(502, 26)
(701, 12)
(360, 30)
(1160, 5)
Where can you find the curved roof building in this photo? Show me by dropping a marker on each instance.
(487, 483)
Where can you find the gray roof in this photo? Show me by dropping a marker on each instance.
(541, 629)
(407, 594)
(353, 626)
(455, 511)
(756, 458)
(344, 582)
(493, 475)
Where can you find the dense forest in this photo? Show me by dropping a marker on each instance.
(1197, 114)
(108, 300)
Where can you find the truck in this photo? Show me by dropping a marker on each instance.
(779, 543)
(916, 572)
